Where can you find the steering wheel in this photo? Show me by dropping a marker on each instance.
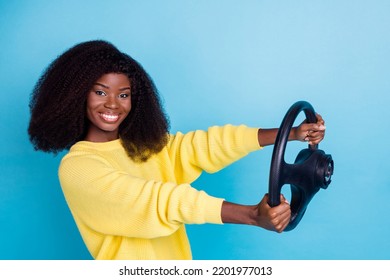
(311, 170)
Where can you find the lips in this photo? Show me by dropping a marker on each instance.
(109, 117)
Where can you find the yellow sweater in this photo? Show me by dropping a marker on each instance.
(128, 210)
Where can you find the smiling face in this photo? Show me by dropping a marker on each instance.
(108, 104)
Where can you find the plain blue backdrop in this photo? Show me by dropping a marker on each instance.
(216, 62)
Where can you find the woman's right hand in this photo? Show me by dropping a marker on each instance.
(262, 215)
(273, 218)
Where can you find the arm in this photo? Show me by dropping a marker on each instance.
(210, 150)
(310, 132)
(112, 202)
(261, 215)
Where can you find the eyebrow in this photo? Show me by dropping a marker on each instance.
(107, 87)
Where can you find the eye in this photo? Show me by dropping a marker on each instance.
(123, 95)
(101, 93)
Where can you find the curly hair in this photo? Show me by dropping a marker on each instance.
(58, 101)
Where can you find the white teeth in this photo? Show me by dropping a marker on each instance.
(110, 118)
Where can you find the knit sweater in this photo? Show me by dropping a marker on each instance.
(129, 210)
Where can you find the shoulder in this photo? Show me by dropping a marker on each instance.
(84, 152)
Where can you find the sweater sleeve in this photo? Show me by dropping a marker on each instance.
(210, 150)
(116, 203)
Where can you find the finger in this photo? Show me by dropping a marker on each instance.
(265, 201)
(320, 120)
(282, 198)
(282, 221)
(315, 127)
(285, 223)
(312, 135)
(285, 218)
(281, 209)
(315, 137)
(285, 215)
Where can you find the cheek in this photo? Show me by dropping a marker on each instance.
(127, 106)
(92, 104)
(88, 113)
(91, 101)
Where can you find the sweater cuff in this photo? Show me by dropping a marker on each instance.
(213, 209)
(251, 139)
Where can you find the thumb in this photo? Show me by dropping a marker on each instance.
(283, 199)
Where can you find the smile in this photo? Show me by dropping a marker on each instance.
(109, 117)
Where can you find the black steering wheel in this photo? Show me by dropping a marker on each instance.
(311, 171)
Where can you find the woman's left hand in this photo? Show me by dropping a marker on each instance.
(311, 132)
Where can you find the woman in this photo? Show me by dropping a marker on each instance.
(125, 178)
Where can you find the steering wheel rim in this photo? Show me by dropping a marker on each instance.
(311, 171)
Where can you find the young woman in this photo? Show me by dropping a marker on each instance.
(125, 178)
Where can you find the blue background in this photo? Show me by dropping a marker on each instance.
(216, 62)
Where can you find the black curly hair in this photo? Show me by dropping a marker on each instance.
(58, 102)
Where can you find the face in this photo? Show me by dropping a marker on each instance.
(108, 104)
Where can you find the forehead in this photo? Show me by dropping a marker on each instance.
(114, 80)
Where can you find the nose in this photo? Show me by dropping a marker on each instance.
(111, 102)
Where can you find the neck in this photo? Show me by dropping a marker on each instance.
(101, 136)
